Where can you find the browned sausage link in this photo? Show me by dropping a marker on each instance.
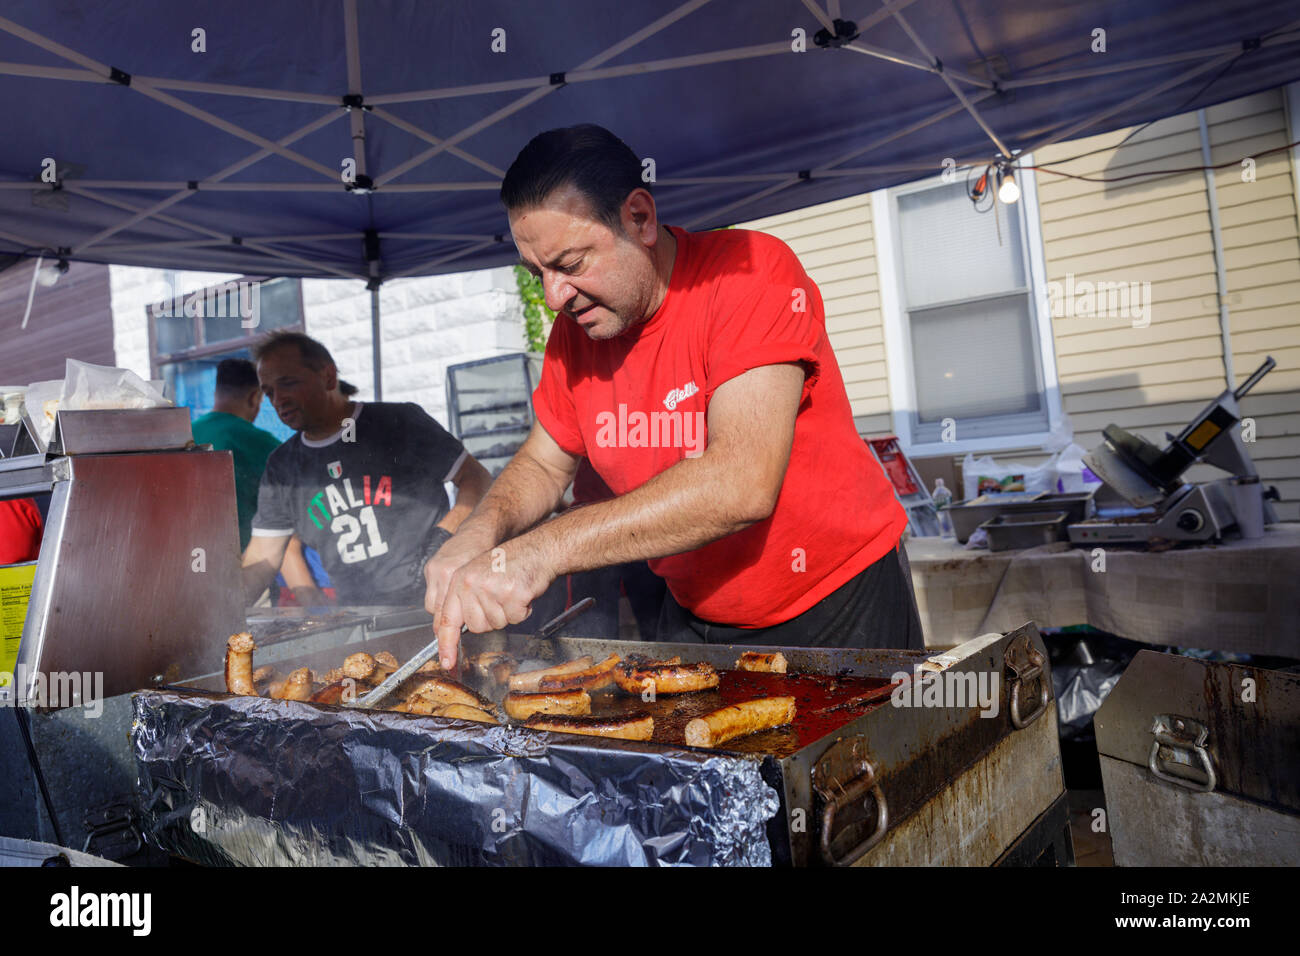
(464, 712)
(443, 691)
(419, 704)
(754, 661)
(387, 661)
(359, 666)
(739, 720)
(297, 686)
(530, 680)
(666, 678)
(590, 678)
(484, 662)
(239, 664)
(335, 691)
(633, 727)
(521, 706)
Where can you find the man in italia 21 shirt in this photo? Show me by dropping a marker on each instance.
(361, 482)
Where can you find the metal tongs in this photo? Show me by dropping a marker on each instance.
(430, 651)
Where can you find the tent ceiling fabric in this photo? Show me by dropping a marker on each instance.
(233, 158)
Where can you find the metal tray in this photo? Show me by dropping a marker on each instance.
(1009, 531)
(969, 515)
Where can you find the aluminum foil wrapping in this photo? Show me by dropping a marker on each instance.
(253, 781)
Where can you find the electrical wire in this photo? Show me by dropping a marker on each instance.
(1161, 172)
(1044, 166)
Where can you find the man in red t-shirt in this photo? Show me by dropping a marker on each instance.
(694, 371)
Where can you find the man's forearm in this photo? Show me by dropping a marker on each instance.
(471, 485)
(685, 507)
(522, 495)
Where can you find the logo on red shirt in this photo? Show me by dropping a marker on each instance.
(680, 395)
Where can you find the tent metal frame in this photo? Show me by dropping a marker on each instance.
(356, 104)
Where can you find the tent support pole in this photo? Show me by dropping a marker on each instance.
(1220, 273)
(376, 360)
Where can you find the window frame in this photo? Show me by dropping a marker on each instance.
(897, 333)
(250, 338)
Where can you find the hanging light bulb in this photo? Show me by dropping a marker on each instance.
(1008, 191)
(48, 275)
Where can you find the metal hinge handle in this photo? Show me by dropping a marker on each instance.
(1189, 736)
(1019, 721)
(1025, 663)
(858, 788)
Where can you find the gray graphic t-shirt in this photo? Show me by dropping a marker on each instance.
(368, 506)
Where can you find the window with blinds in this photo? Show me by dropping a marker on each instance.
(968, 308)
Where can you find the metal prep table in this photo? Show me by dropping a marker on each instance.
(1239, 595)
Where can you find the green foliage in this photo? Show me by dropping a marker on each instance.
(537, 317)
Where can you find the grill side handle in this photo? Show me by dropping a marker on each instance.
(838, 794)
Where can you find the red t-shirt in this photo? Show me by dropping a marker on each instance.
(635, 405)
(20, 530)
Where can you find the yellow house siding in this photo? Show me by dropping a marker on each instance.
(1262, 262)
(1149, 380)
(1152, 380)
(835, 243)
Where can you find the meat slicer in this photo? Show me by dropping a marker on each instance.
(1149, 478)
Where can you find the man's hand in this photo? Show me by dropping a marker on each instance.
(458, 551)
(489, 592)
(260, 564)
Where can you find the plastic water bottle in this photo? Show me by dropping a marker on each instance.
(942, 499)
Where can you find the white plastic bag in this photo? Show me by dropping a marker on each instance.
(99, 386)
(42, 404)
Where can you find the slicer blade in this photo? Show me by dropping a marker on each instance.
(1107, 465)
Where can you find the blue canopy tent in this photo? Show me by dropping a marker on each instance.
(368, 139)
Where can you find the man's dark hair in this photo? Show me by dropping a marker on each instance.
(236, 376)
(314, 355)
(589, 158)
(347, 388)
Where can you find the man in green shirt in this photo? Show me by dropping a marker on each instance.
(229, 427)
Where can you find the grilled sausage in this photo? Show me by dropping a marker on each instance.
(335, 692)
(497, 665)
(633, 727)
(359, 666)
(521, 706)
(530, 681)
(740, 719)
(464, 712)
(297, 686)
(415, 704)
(443, 691)
(665, 678)
(589, 678)
(239, 664)
(754, 661)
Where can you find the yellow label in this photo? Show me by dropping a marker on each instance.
(15, 592)
(1203, 433)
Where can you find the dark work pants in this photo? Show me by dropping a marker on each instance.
(875, 609)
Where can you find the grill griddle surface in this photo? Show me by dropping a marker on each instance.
(823, 704)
